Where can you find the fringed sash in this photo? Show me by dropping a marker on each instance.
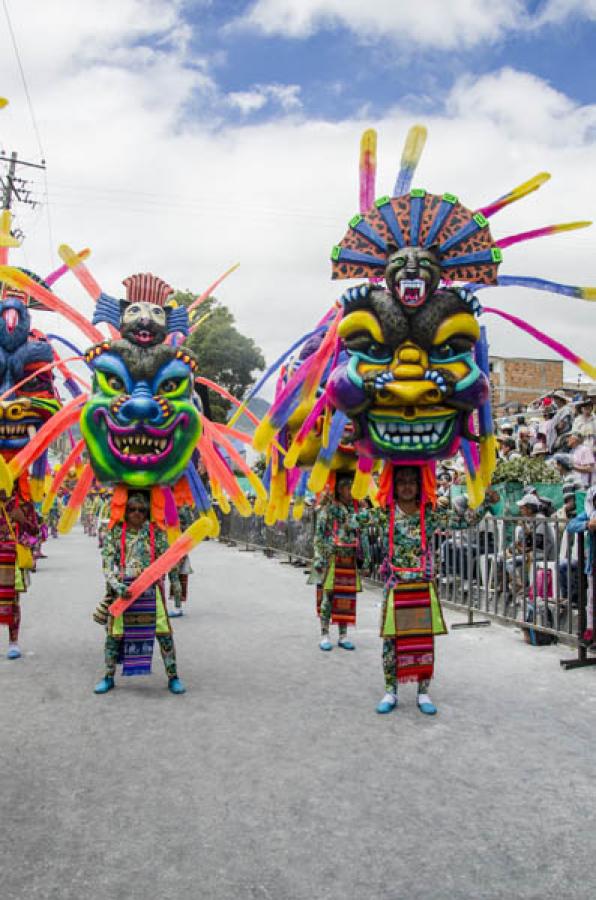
(139, 620)
(408, 620)
(8, 594)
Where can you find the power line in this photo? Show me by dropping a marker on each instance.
(24, 80)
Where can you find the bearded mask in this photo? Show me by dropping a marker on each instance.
(142, 421)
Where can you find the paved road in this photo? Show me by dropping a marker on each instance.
(272, 778)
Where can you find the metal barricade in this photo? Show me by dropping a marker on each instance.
(519, 571)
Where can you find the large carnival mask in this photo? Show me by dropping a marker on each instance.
(142, 421)
(22, 355)
(411, 380)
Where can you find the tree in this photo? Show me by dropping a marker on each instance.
(225, 355)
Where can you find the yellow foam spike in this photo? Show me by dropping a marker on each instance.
(215, 526)
(37, 489)
(414, 145)
(173, 534)
(488, 458)
(298, 511)
(264, 434)
(318, 477)
(6, 477)
(361, 485)
(291, 457)
(68, 520)
(260, 507)
(48, 503)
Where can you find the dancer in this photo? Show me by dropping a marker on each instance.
(335, 566)
(17, 519)
(412, 615)
(129, 547)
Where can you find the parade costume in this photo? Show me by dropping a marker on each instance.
(141, 421)
(403, 356)
(337, 549)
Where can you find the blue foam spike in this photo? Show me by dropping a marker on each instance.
(61, 340)
(416, 210)
(470, 259)
(365, 258)
(391, 222)
(444, 211)
(466, 231)
(266, 479)
(537, 284)
(177, 320)
(197, 488)
(280, 360)
(467, 453)
(338, 423)
(482, 361)
(403, 182)
(300, 490)
(370, 234)
(107, 309)
(72, 387)
(39, 467)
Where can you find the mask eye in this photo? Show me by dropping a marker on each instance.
(115, 383)
(378, 352)
(424, 263)
(172, 385)
(452, 348)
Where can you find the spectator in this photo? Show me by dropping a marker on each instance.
(539, 448)
(570, 478)
(568, 571)
(562, 422)
(507, 449)
(582, 457)
(534, 540)
(524, 443)
(585, 422)
(587, 522)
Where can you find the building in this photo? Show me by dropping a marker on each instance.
(517, 381)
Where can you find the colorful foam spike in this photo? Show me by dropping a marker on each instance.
(17, 279)
(473, 480)
(76, 264)
(7, 239)
(37, 481)
(301, 386)
(61, 474)
(363, 478)
(488, 444)
(218, 436)
(270, 372)
(559, 348)
(218, 470)
(56, 364)
(368, 169)
(539, 232)
(541, 284)
(193, 535)
(522, 190)
(72, 511)
(49, 431)
(212, 287)
(413, 147)
(62, 270)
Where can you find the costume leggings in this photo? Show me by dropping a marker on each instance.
(13, 629)
(326, 604)
(166, 645)
(389, 669)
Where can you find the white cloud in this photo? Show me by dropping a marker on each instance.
(138, 174)
(285, 96)
(443, 24)
(431, 23)
(559, 10)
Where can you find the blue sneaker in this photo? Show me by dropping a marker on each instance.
(176, 686)
(325, 644)
(345, 644)
(426, 706)
(387, 704)
(106, 684)
(13, 652)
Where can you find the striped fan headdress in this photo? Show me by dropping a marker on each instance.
(148, 288)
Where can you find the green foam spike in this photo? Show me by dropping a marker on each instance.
(336, 253)
(497, 255)
(480, 220)
(417, 192)
(355, 220)
(382, 201)
(450, 198)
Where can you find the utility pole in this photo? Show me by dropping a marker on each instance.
(12, 186)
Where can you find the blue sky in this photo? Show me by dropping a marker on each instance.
(339, 75)
(182, 137)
